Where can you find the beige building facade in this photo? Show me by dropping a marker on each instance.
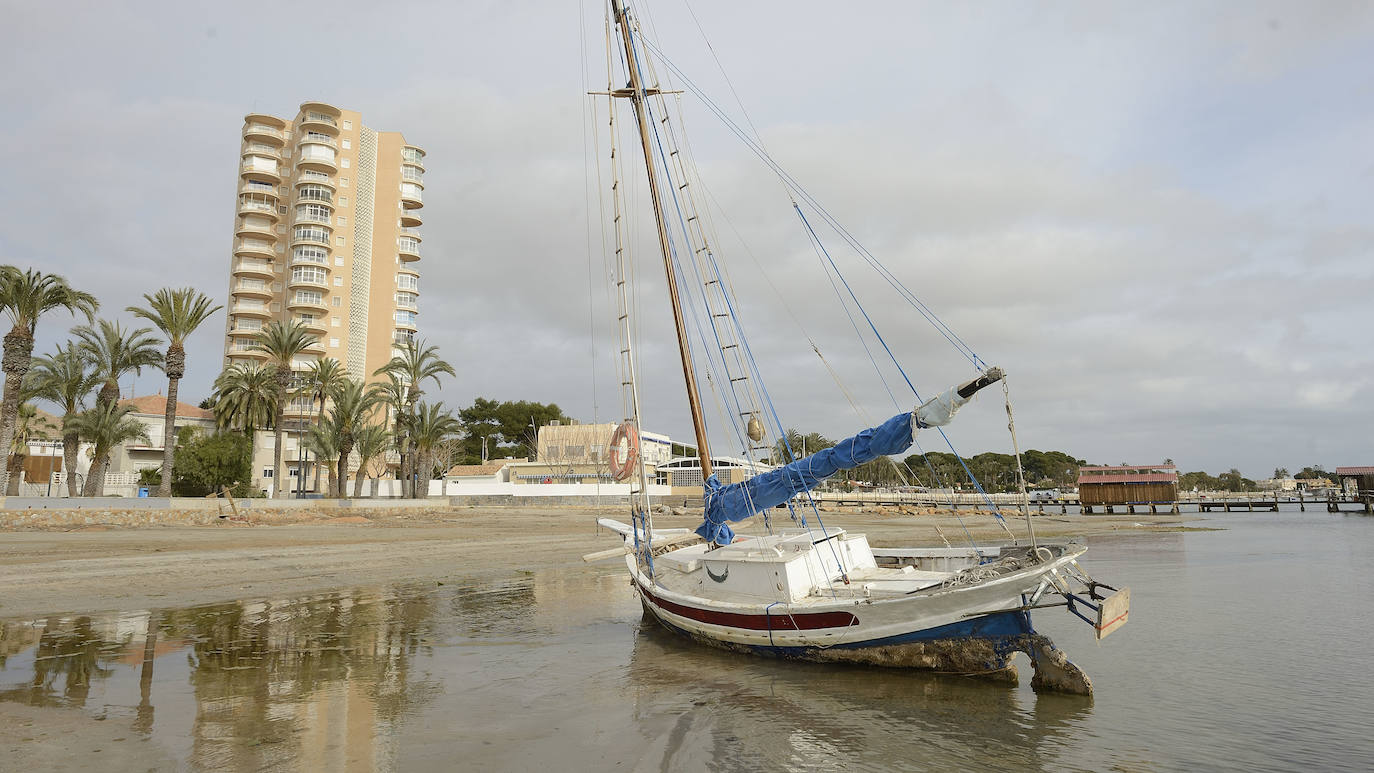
(326, 232)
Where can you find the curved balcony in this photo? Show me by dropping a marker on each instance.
(257, 310)
(319, 163)
(314, 218)
(254, 268)
(308, 284)
(253, 206)
(251, 288)
(411, 196)
(243, 332)
(408, 251)
(410, 218)
(413, 156)
(258, 132)
(307, 304)
(259, 173)
(311, 238)
(316, 325)
(408, 283)
(262, 188)
(413, 233)
(246, 227)
(319, 116)
(406, 268)
(254, 247)
(327, 182)
(252, 354)
(316, 139)
(410, 175)
(402, 326)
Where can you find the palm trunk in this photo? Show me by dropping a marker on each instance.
(358, 480)
(332, 483)
(95, 477)
(175, 366)
(15, 465)
(345, 448)
(317, 464)
(71, 446)
(18, 356)
(283, 381)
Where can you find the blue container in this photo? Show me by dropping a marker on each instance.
(143, 491)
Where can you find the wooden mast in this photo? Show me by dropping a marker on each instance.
(636, 95)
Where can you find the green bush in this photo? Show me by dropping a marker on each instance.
(207, 462)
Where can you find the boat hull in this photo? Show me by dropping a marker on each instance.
(971, 631)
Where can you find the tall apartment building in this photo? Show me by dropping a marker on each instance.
(326, 232)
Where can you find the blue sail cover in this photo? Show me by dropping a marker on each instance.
(738, 501)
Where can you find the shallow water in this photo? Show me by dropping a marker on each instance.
(1246, 650)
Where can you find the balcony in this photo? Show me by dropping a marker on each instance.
(320, 117)
(247, 309)
(252, 226)
(308, 283)
(250, 206)
(255, 268)
(408, 283)
(244, 326)
(410, 218)
(260, 169)
(411, 196)
(409, 249)
(316, 325)
(255, 247)
(313, 235)
(413, 233)
(306, 216)
(404, 325)
(261, 132)
(236, 351)
(256, 186)
(413, 156)
(306, 302)
(318, 161)
(411, 175)
(317, 138)
(252, 288)
(316, 178)
(407, 302)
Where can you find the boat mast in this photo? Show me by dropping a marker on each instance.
(636, 94)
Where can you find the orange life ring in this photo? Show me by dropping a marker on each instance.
(622, 469)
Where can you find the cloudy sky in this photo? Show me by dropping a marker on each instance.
(1155, 216)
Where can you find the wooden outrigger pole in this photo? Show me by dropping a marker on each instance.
(636, 94)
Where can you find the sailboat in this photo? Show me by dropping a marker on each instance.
(812, 592)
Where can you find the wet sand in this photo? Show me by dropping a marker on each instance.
(99, 568)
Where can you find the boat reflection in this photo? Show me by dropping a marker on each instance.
(740, 711)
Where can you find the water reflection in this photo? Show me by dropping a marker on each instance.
(318, 682)
(836, 716)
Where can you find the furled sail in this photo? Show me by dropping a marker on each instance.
(738, 501)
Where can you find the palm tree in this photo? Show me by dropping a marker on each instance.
(415, 363)
(371, 442)
(432, 426)
(282, 343)
(27, 425)
(323, 441)
(353, 402)
(65, 379)
(322, 377)
(177, 313)
(106, 426)
(393, 396)
(115, 353)
(245, 398)
(25, 296)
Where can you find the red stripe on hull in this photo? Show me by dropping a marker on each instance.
(783, 622)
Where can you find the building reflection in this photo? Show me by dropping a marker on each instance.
(312, 683)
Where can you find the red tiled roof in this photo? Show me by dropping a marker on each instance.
(156, 405)
(490, 468)
(1128, 477)
(1355, 470)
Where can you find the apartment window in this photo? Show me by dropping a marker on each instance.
(343, 201)
(276, 287)
(311, 174)
(321, 136)
(347, 144)
(343, 220)
(312, 233)
(309, 274)
(339, 241)
(282, 190)
(306, 318)
(276, 307)
(345, 163)
(281, 210)
(338, 302)
(281, 249)
(281, 229)
(314, 213)
(338, 281)
(317, 255)
(405, 317)
(267, 472)
(314, 192)
(407, 282)
(348, 125)
(310, 296)
(338, 260)
(333, 321)
(343, 182)
(333, 343)
(409, 244)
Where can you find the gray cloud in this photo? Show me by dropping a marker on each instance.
(1154, 217)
